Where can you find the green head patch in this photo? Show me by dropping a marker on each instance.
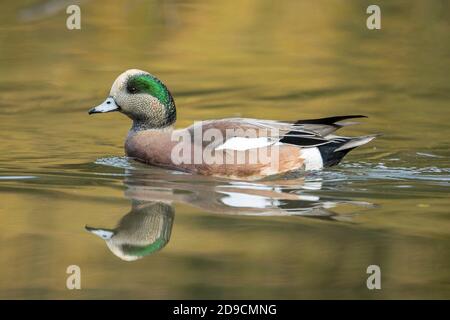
(141, 251)
(146, 83)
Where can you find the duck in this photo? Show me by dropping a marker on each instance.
(232, 148)
(145, 230)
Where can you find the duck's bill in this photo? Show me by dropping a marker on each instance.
(109, 105)
(105, 234)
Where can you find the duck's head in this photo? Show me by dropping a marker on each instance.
(143, 98)
(145, 230)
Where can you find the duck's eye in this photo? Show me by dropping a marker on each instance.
(132, 89)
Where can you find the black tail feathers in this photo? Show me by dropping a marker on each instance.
(329, 120)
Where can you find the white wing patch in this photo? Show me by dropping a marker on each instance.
(242, 200)
(242, 143)
(313, 158)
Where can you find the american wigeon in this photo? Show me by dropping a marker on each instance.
(239, 148)
(143, 231)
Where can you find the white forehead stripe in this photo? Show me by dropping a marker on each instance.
(121, 80)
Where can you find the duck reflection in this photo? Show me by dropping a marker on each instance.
(143, 231)
(146, 229)
(281, 197)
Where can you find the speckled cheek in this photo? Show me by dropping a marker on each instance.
(155, 106)
(122, 100)
(152, 108)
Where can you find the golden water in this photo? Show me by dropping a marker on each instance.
(302, 237)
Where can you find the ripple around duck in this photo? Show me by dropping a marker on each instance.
(349, 171)
(359, 184)
(380, 171)
(298, 193)
(17, 177)
(117, 162)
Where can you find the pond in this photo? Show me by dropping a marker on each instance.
(69, 196)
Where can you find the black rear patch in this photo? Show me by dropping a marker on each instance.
(331, 157)
(291, 138)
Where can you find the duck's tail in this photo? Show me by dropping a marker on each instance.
(333, 152)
